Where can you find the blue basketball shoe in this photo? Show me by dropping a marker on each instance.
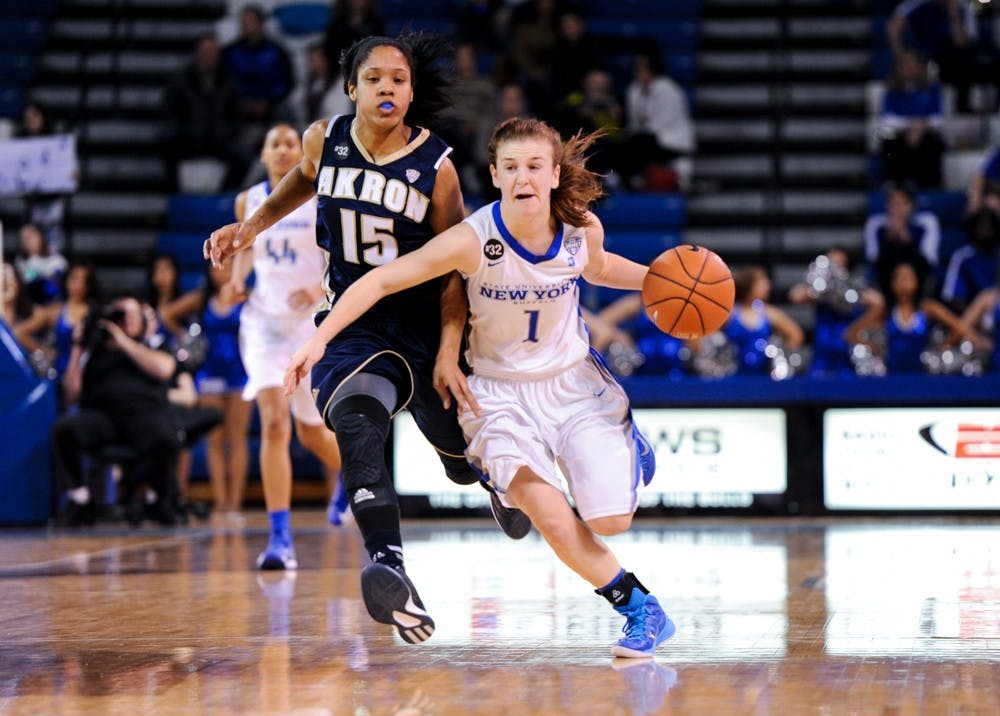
(647, 456)
(339, 507)
(646, 627)
(391, 598)
(280, 554)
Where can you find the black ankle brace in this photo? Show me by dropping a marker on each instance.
(620, 591)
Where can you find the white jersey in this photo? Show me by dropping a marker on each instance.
(525, 309)
(285, 257)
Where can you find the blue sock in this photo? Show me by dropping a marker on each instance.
(279, 525)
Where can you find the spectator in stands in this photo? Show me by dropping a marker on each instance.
(219, 383)
(350, 21)
(906, 318)
(40, 266)
(121, 384)
(945, 31)
(201, 116)
(46, 211)
(900, 234)
(834, 312)
(471, 114)
(658, 132)
(910, 124)
(263, 74)
(754, 323)
(973, 267)
(576, 55)
(323, 89)
(594, 106)
(533, 39)
(988, 177)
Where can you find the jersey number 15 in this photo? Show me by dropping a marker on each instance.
(377, 245)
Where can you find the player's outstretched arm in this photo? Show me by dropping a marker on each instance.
(457, 248)
(292, 191)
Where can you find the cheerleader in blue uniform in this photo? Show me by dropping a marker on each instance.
(219, 382)
(753, 321)
(984, 312)
(907, 320)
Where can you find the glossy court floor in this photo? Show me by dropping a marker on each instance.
(774, 616)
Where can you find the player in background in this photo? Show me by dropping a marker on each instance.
(538, 394)
(385, 186)
(288, 268)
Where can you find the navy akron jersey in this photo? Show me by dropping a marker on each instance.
(371, 212)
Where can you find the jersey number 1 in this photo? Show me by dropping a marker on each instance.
(377, 246)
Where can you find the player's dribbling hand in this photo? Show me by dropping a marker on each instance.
(226, 241)
(449, 380)
(301, 363)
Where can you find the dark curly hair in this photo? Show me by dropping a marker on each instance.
(430, 57)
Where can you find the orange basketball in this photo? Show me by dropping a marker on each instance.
(688, 291)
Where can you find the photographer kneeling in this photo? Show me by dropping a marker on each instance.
(121, 385)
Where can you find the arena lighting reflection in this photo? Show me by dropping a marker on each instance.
(725, 588)
(928, 592)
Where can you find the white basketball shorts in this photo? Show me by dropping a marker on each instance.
(267, 344)
(579, 419)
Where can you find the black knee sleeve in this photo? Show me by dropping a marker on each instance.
(362, 424)
(458, 470)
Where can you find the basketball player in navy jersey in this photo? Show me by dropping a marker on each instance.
(538, 395)
(385, 186)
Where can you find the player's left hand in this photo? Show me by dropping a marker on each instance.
(449, 380)
(301, 363)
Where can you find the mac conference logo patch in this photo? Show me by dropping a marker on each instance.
(341, 150)
(963, 440)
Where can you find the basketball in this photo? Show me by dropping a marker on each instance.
(688, 291)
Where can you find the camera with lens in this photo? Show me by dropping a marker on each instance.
(93, 333)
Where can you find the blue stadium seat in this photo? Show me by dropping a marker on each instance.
(11, 102)
(16, 70)
(302, 18)
(402, 10)
(24, 9)
(654, 212)
(672, 36)
(641, 246)
(183, 245)
(200, 212)
(23, 35)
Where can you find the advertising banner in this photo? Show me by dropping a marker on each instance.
(705, 458)
(912, 458)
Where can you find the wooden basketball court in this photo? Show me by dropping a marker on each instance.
(774, 616)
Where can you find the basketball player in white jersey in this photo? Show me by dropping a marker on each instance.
(278, 316)
(538, 394)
